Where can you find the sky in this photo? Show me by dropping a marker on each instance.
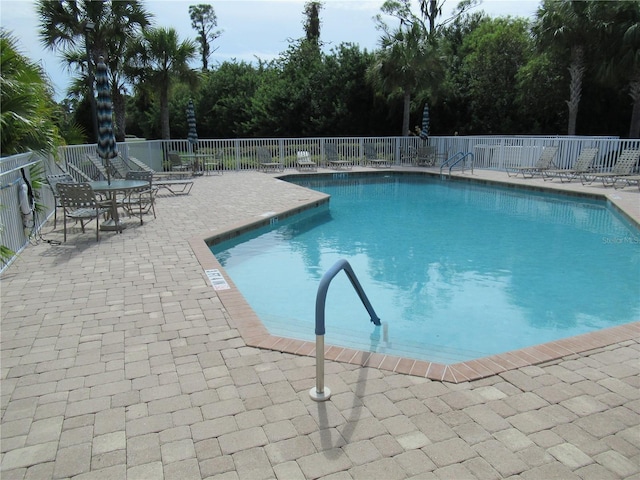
(251, 29)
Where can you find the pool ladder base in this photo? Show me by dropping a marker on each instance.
(320, 396)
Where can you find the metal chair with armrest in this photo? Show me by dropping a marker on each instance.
(79, 202)
(53, 181)
(142, 200)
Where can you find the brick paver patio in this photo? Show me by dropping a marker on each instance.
(119, 360)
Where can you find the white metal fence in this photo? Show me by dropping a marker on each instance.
(499, 153)
(16, 228)
(489, 152)
(241, 154)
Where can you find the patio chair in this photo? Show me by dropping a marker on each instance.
(176, 162)
(408, 155)
(142, 200)
(627, 161)
(304, 162)
(427, 156)
(333, 159)
(53, 181)
(545, 162)
(371, 156)
(266, 160)
(583, 164)
(214, 163)
(80, 203)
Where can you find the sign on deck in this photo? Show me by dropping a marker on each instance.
(217, 280)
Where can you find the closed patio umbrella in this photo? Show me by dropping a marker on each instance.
(424, 133)
(107, 148)
(192, 136)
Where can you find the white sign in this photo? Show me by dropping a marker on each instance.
(217, 280)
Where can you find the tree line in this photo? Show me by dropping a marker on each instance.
(572, 69)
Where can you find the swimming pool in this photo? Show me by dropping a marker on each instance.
(454, 270)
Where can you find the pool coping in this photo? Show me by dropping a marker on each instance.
(242, 317)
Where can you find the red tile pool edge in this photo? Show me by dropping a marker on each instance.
(255, 334)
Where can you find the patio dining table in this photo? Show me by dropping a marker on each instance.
(111, 189)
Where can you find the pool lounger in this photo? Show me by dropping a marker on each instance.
(628, 180)
(174, 186)
(172, 175)
(340, 164)
(304, 162)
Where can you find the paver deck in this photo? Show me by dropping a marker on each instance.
(119, 360)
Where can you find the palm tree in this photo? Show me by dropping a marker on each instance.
(85, 30)
(406, 62)
(159, 60)
(618, 26)
(566, 26)
(630, 62)
(26, 118)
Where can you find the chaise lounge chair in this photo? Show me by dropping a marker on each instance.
(624, 166)
(371, 157)
(304, 162)
(175, 187)
(545, 162)
(627, 180)
(333, 160)
(583, 164)
(266, 160)
(177, 181)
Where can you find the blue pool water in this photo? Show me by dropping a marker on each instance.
(454, 270)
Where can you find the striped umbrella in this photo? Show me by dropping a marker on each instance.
(107, 148)
(192, 136)
(424, 133)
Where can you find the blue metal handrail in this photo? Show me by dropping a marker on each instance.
(321, 297)
(455, 159)
(450, 159)
(464, 162)
(319, 393)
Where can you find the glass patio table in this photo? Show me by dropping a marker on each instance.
(111, 189)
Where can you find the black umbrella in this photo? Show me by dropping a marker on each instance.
(192, 136)
(424, 133)
(107, 148)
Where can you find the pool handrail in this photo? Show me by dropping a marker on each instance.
(453, 160)
(449, 160)
(462, 159)
(321, 296)
(319, 393)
